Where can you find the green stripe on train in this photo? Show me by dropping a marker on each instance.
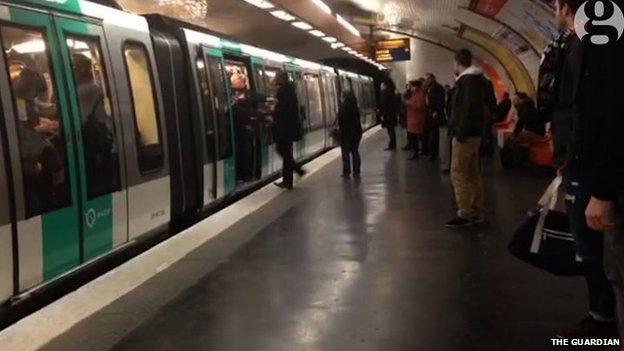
(65, 5)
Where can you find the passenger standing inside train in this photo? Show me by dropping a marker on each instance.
(467, 124)
(389, 110)
(288, 128)
(417, 111)
(350, 126)
(436, 99)
(502, 108)
(576, 141)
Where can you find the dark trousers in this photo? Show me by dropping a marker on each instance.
(285, 150)
(414, 142)
(392, 136)
(614, 259)
(589, 243)
(351, 160)
(431, 142)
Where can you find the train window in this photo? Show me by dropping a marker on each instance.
(260, 84)
(315, 105)
(98, 128)
(149, 144)
(238, 75)
(224, 124)
(269, 80)
(40, 129)
(208, 106)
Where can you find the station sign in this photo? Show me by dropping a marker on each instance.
(393, 50)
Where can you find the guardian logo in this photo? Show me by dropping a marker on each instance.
(602, 20)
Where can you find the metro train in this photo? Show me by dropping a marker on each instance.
(116, 126)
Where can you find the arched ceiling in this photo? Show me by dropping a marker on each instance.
(510, 34)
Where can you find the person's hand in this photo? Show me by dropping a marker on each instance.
(598, 215)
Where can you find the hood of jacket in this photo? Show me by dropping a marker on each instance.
(472, 70)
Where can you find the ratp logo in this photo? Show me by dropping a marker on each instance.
(602, 20)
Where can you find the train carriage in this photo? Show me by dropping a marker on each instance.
(116, 127)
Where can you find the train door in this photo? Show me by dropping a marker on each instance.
(98, 147)
(221, 166)
(263, 168)
(41, 145)
(296, 75)
(245, 117)
(6, 232)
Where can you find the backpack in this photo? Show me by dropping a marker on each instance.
(549, 72)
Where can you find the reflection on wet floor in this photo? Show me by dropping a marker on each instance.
(368, 265)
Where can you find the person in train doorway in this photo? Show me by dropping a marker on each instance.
(578, 97)
(437, 117)
(350, 125)
(97, 127)
(242, 110)
(389, 109)
(417, 111)
(288, 128)
(467, 124)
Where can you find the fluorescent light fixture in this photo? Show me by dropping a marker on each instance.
(348, 25)
(323, 6)
(337, 45)
(317, 33)
(30, 47)
(263, 4)
(302, 25)
(283, 15)
(330, 39)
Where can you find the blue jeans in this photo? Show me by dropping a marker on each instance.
(589, 243)
(351, 160)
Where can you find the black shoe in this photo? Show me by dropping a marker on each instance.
(589, 328)
(301, 172)
(478, 220)
(356, 175)
(346, 175)
(284, 185)
(459, 223)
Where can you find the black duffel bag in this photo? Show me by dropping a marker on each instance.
(544, 240)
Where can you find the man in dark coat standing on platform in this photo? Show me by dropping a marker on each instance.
(288, 128)
(437, 104)
(389, 109)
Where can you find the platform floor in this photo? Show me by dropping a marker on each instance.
(353, 265)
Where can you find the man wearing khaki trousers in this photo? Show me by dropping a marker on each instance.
(473, 94)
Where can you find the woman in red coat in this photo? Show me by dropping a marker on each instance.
(417, 110)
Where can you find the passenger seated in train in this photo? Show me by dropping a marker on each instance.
(42, 165)
(529, 127)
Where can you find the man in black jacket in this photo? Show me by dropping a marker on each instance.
(437, 104)
(288, 128)
(470, 101)
(582, 102)
(389, 109)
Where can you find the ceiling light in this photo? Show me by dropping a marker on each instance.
(337, 45)
(302, 25)
(263, 4)
(330, 39)
(317, 33)
(323, 6)
(283, 15)
(348, 25)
